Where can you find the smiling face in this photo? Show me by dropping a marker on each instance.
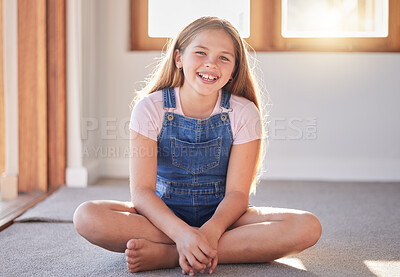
(208, 62)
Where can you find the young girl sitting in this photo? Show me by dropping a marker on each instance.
(195, 141)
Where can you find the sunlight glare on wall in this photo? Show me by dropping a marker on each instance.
(334, 18)
(167, 18)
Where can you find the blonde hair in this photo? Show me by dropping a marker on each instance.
(244, 83)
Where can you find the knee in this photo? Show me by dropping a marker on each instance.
(309, 230)
(85, 217)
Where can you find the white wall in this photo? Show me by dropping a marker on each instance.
(90, 84)
(353, 97)
(9, 178)
(334, 115)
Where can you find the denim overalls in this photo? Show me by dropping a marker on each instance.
(192, 160)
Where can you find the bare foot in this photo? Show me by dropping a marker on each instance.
(142, 254)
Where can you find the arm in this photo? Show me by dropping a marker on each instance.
(191, 243)
(143, 176)
(242, 169)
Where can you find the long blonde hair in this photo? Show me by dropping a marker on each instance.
(244, 82)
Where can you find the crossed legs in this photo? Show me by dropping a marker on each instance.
(274, 233)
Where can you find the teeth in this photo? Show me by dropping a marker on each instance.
(207, 77)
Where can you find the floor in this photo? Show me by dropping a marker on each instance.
(11, 209)
(361, 233)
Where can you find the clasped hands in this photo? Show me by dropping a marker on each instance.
(197, 248)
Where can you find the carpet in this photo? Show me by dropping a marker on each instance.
(361, 233)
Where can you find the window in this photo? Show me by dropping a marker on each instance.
(334, 18)
(292, 25)
(145, 36)
(236, 11)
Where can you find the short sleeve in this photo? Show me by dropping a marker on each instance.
(248, 125)
(144, 119)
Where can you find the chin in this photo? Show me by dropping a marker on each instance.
(207, 92)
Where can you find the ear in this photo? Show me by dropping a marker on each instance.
(178, 58)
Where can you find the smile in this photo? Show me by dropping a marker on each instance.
(207, 77)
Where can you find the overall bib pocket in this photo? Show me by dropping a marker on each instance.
(196, 157)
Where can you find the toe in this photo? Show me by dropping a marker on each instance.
(130, 253)
(132, 260)
(133, 267)
(135, 244)
(131, 244)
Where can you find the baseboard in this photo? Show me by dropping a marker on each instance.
(76, 177)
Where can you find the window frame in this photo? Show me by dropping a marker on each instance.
(265, 32)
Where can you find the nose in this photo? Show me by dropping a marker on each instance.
(210, 62)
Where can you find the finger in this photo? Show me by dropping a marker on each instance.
(214, 264)
(207, 250)
(192, 272)
(195, 263)
(199, 255)
(184, 264)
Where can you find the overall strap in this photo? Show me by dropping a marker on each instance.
(226, 96)
(169, 98)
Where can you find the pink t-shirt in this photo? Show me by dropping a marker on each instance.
(148, 114)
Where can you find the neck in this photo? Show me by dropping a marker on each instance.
(196, 105)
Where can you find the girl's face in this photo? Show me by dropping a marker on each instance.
(208, 62)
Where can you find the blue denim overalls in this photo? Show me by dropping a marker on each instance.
(192, 160)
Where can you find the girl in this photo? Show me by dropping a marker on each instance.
(195, 141)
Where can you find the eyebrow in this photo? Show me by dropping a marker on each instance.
(225, 52)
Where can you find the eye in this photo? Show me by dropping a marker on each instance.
(224, 58)
(200, 53)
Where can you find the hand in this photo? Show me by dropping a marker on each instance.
(213, 237)
(195, 252)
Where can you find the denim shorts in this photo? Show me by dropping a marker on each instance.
(194, 204)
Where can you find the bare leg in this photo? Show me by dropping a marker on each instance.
(110, 224)
(275, 233)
